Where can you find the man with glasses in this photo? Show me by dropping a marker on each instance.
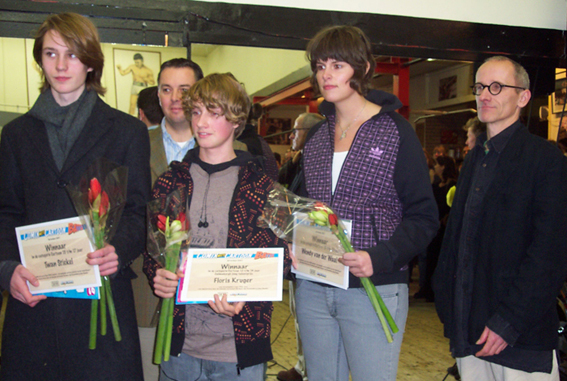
(289, 175)
(291, 168)
(504, 258)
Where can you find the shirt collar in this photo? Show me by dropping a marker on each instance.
(498, 142)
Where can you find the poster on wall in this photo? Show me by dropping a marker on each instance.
(275, 126)
(448, 88)
(134, 70)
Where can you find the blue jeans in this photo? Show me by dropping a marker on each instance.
(188, 368)
(341, 332)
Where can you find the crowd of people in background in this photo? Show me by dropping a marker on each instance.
(488, 231)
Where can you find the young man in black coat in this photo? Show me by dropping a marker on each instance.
(41, 152)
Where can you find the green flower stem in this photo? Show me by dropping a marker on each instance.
(105, 292)
(368, 286)
(102, 293)
(92, 333)
(160, 339)
(112, 309)
(165, 325)
(379, 306)
(168, 332)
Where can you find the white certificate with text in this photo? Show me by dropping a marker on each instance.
(56, 252)
(244, 275)
(313, 248)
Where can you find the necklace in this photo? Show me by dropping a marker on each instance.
(203, 217)
(345, 130)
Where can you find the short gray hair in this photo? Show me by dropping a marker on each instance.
(309, 119)
(520, 74)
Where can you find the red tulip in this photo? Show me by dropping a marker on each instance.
(333, 219)
(104, 204)
(94, 190)
(161, 222)
(183, 219)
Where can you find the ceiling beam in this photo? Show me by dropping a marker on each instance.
(122, 21)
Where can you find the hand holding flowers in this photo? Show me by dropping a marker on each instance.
(168, 233)
(324, 216)
(99, 198)
(278, 215)
(106, 259)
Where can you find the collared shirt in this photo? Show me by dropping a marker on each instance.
(173, 150)
(484, 170)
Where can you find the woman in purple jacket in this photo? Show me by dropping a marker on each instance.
(366, 162)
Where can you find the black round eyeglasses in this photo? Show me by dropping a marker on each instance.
(494, 88)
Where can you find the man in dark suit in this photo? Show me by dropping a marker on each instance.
(504, 258)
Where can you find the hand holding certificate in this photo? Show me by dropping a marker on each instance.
(55, 253)
(239, 275)
(168, 234)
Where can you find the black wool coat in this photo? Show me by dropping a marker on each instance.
(50, 341)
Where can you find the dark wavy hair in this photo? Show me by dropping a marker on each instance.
(346, 44)
(81, 37)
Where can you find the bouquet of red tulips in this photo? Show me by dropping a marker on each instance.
(168, 236)
(99, 199)
(279, 215)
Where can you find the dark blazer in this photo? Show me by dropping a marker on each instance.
(520, 249)
(50, 341)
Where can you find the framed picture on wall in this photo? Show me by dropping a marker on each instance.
(134, 70)
(276, 126)
(448, 88)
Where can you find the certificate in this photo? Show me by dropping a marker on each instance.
(56, 252)
(244, 275)
(317, 251)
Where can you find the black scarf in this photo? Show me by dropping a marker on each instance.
(63, 124)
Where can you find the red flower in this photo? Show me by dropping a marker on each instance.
(161, 222)
(94, 190)
(104, 204)
(183, 219)
(333, 219)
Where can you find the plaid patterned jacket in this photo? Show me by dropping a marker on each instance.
(383, 187)
(252, 326)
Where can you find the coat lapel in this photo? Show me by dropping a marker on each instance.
(158, 160)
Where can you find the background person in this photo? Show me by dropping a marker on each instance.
(41, 152)
(363, 146)
(256, 144)
(473, 127)
(149, 110)
(290, 170)
(290, 176)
